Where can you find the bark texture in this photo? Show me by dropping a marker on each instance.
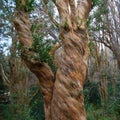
(63, 98)
(41, 70)
(68, 101)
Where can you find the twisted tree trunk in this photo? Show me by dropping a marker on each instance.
(63, 99)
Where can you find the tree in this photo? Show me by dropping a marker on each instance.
(63, 90)
(105, 26)
(14, 77)
(113, 28)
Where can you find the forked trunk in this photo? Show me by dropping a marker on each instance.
(68, 100)
(63, 99)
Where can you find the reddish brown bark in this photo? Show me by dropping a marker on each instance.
(64, 98)
(41, 70)
(68, 101)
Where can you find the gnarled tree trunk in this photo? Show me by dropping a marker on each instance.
(63, 99)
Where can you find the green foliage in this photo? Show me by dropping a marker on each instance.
(95, 2)
(43, 47)
(19, 48)
(98, 18)
(5, 112)
(102, 113)
(91, 47)
(28, 6)
(9, 114)
(24, 114)
(88, 21)
(2, 87)
(81, 92)
(91, 93)
(114, 106)
(97, 110)
(32, 111)
(66, 26)
(37, 107)
(96, 114)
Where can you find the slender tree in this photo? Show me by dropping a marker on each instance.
(63, 91)
(105, 27)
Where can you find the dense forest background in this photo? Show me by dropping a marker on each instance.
(20, 94)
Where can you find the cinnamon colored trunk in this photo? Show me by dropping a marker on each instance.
(68, 101)
(63, 99)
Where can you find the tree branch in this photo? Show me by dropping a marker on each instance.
(46, 10)
(82, 12)
(22, 25)
(54, 48)
(73, 11)
(5, 79)
(32, 60)
(63, 9)
(102, 41)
